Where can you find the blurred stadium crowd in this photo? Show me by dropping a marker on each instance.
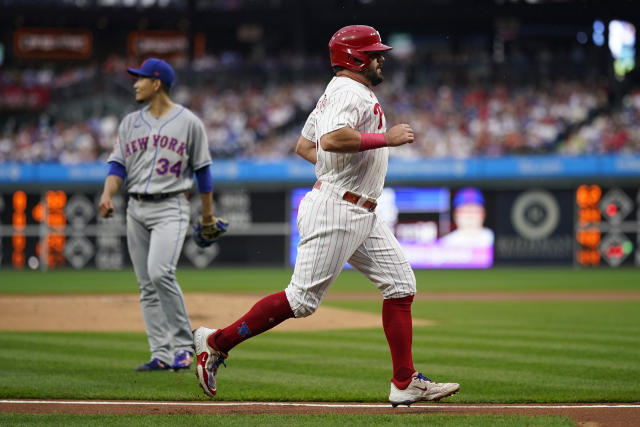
(260, 118)
(502, 80)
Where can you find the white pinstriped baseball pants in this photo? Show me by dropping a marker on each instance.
(333, 232)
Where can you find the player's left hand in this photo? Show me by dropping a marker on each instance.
(205, 234)
(399, 135)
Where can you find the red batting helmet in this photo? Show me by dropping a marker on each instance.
(348, 47)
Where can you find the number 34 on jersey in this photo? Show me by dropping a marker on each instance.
(163, 142)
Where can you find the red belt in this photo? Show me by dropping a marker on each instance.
(369, 205)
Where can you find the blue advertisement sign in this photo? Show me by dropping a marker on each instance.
(433, 229)
(296, 170)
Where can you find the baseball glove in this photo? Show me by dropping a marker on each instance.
(205, 235)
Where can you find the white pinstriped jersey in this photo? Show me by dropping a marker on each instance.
(334, 231)
(160, 155)
(348, 103)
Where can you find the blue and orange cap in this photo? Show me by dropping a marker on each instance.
(155, 68)
(468, 195)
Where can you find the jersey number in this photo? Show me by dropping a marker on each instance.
(163, 167)
(377, 109)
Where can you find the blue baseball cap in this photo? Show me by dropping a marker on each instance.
(155, 68)
(468, 195)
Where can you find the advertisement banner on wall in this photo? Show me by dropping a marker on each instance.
(165, 44)
(436, 227)
(607, 226)
(62, 228)
(534, 226)
(172, 45)
(53, 43)
(21, 98)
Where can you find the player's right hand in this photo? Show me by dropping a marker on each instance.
(399, 135)
(105, 207)
(207, 233)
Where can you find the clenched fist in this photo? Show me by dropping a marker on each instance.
(106, 207)
(399, 135)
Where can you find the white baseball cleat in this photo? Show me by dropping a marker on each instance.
(207, 360)
(421, 388)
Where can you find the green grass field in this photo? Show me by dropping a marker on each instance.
(500, 351)
(270, 279)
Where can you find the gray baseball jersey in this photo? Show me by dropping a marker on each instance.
(160, 155)
(334, 231)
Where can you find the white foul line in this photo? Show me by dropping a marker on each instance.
(317, 405)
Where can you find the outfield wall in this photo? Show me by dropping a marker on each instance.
(549, 210)
(490, 171)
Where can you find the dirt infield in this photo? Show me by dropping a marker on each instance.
(121, 312)
(591, 415)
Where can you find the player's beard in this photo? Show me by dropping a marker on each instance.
(373, 76)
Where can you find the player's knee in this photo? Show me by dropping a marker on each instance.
(146, 287)
(400, 288)
(304, 310)
(156, 277)
(407, 286)
(148, 294)
(300, 307)
(411, 284)
(159, 277)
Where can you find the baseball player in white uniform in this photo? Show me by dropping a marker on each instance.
(157, 152)
(346, 138)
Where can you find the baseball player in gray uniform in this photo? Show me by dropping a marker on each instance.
(346, 138)
(158, 149)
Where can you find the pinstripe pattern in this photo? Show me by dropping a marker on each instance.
(381, 259)
(334, 231)
(349, 103)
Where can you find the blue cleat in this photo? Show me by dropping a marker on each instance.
(154, 364)
(182, 360)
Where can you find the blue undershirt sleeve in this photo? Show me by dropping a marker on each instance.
(205, 181)
(117, 169)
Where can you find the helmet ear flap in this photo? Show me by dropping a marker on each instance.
(362, 58)
(349, 58)
(348, 46)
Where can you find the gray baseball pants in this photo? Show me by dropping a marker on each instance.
(155, 235)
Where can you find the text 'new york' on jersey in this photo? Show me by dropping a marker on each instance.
(161, 154)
